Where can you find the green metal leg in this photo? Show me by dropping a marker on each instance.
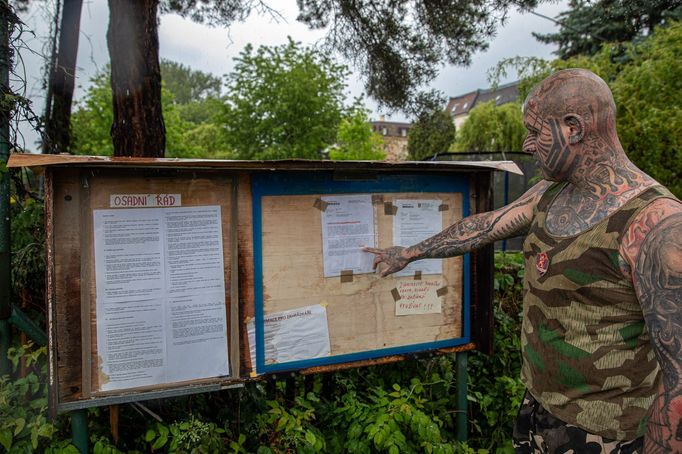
(5, 243)
(5, 339)
(79, 430)
(23, 323)
(462, 378)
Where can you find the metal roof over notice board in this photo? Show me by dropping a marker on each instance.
(39, 160)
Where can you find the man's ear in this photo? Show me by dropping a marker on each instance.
(576, 126)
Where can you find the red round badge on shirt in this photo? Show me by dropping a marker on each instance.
(542, 263)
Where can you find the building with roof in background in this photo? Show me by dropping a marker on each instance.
(394, 134)
(460, 106)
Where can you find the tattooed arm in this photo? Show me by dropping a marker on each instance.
(653, 246)
(467, 234)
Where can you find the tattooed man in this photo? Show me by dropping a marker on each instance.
(602, 328)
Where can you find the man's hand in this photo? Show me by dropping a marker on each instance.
(394, 258)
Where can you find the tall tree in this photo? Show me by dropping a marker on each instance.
(192, 127)
(356, 140)
(188, 84)
(432, 133)
(62, 76)
(492, 128)
(283, 101)
(587, 25)
(138, 128)
(398, 45)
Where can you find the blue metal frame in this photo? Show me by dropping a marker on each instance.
(323, 182)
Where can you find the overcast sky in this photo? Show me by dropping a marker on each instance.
(213, 49)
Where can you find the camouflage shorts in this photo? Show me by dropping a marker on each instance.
(536, 431)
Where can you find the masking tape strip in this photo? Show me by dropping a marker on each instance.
(377, 199)
(418, 275)
(396, 294)
(443, 207)
(320, 204)
(390, 209)
(442, 291)
(346, 276)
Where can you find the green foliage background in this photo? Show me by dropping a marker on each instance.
(404, 407)
(492, 128)
(190, 116)
(432, 133)
(647, 88)
(283, 102)
(407, 407)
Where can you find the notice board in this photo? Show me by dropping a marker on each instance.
(141, 264)
(327, 311)
(170, 277)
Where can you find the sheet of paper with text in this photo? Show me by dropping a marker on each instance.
(160, 305)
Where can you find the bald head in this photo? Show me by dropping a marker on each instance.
(576, 92)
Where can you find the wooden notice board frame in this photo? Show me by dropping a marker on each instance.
(75, 196)
(69, 201)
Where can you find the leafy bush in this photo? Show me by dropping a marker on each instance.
(24, 427)
(408, 406)
(28, 253)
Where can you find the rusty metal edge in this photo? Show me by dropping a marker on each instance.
(40, 160)
(385, 360)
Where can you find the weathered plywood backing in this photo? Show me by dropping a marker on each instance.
(361, 314)
(76, 196)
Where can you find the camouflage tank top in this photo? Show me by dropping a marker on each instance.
(586, 352)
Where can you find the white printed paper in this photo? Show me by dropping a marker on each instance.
(347, 225)
(160, 296)
(418, 297)
(415, 221)
(293, 335)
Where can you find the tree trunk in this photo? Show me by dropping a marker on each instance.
(57, 138)
(133, 41)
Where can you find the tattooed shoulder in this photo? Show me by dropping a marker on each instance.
(639, 228)
(657, 276)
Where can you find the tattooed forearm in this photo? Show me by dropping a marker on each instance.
(479, 230)
(658, 281)
(463, 236)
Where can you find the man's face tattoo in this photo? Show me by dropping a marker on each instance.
(547, 144)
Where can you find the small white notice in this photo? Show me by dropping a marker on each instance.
(418, 297)
(293, 335)
(347, 225)
(415, 221)
(160, 296)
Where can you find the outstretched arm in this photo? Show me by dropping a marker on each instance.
(467, 234)
(657, 275)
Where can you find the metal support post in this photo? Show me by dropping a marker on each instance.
(79, 430)
(462, 406)
(5, 244)
(24, 324)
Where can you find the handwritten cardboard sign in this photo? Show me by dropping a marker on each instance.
(418, 297)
